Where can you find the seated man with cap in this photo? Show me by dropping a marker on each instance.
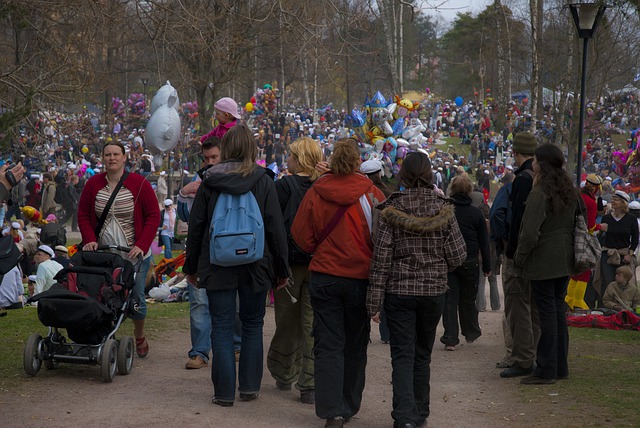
(47, 268)
(62, 255)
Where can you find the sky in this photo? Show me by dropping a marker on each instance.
(449, 8)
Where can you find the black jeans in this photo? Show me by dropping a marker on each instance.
(412, 321)
(341, 335)
(460, 302)
(553, 346)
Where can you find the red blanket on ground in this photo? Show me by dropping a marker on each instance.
(623, 320)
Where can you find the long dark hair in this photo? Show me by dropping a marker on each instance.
(416, 171)
(553, 179)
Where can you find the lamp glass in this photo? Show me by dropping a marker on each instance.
(587, 13)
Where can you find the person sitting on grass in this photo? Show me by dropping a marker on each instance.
(622, 294)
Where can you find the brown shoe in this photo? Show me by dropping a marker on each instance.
(196, 362)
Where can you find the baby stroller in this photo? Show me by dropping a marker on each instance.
(90, 300)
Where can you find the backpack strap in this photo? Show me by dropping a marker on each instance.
(332, 223)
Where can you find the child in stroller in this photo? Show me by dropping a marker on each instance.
(90, 300)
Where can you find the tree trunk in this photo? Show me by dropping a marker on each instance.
(386, 16)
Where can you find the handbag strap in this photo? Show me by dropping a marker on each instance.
(332, 223)
(107, 207)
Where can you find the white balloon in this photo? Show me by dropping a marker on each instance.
(163, 129)
(163, 97)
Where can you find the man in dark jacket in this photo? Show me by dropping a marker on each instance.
(519, 308)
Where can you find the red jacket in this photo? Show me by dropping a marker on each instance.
(347, 251)
(146, 213)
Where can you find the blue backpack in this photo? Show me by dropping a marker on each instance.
(237, 231)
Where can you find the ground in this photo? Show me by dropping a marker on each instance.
(466, 390)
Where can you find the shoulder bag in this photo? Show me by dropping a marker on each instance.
(587, 249)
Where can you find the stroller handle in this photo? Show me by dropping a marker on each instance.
(119, 248)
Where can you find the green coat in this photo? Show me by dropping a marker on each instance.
(545, 242)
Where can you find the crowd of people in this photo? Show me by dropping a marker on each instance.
(344, 243)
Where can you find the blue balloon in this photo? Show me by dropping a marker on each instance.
(398, 126)
(459, 101)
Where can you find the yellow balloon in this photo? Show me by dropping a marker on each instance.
(248, 107)
(85, 150)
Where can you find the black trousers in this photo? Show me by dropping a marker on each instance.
(341, 334)
(460, 303)
(412, 321)
(553, 346)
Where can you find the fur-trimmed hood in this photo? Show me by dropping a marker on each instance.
(417, 210)
(419, 225)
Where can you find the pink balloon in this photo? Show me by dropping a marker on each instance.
(428, 90)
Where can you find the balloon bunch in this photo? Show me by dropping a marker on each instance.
(386, 130)
(264, 101)
(190, 108)
(163, 129)
(117, 107)
(136, 104)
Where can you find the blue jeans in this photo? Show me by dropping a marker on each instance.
(200, 322)
(412, 321)
(139, 311)
(222, 307)
(341, 334)
(166, 241)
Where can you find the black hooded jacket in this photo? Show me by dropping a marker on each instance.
(262, 274)
(474, 230)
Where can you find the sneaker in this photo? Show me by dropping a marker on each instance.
(505, 363)
(308, 396)
(248, 397)
(450, 348)
(195, 362)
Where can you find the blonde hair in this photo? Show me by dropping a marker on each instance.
(309, 154)
(345, 159)
(626, 272)
(238, 143)
(461, 185)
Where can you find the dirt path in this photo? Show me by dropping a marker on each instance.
(466, 390)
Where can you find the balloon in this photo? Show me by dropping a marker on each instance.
(248, 107)
(85, 150)
(402, 152)
(267, 86)
(525, 101)
(163, 129)
(162, 97)
(459, 101)
(428, 91)
(475, 94)
(253, 100)
(488, 90)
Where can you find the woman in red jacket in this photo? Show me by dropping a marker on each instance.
(132, 221)
(334, 224)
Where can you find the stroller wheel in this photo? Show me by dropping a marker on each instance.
(125, 355)
(108, 360)
(32, 361)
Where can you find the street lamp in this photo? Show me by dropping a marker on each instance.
(278, 95)
(585, 16)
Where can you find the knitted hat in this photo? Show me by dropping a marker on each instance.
(525, 143)
(227, 105)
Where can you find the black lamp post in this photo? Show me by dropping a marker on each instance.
(585, 16)
(144, 81)
(278, 95)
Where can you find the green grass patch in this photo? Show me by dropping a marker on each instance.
(19, 324)
(602, 389)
